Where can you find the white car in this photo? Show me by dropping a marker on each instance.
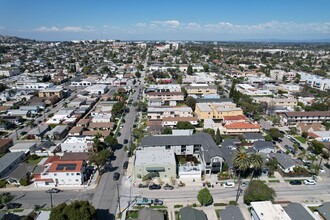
(309, 182)
(229, 185)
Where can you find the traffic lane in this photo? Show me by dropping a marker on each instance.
(29, 199)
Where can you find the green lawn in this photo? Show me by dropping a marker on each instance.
(301, 139)
(273, 181)
(35, 162)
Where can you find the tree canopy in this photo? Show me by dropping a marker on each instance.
(191, 102)
(275, 133)
(184, 125)
(258, 191)
(204, 197)
(77, 210)
(100, 158)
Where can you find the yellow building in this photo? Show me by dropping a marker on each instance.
(216, 110)
(203, 89)
(50, 92)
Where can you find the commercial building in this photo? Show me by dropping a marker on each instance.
(156, 162)
(51, 92)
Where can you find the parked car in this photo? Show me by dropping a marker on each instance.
(13, 205)
(168, 187)
(142, 186)
(116, 176)
(295, 182)
(245, 184)
(144, 201)
(53, 190)
(229, 184)
(154, 186)
(158, 202)
(309, 182)
(125, 165)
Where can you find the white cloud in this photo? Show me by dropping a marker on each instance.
(65, 29)
(168, 23)
(271, 27)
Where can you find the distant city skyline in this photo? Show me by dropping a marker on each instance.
(300, 20)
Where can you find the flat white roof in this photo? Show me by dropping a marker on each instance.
(204, 107)
(154, 155)
(268, 211)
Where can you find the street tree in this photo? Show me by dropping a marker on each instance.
(272, 166)
(241, 162)
(275, 134)
(256, 162)
(111, 141)
(258, 191)
(138, 74)
(77, 210)
(189, 70)
(317, 147)
(204, 197)
(191, 102)
(100, 158)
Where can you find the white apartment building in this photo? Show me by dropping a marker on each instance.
(62, 173)
(162, 112)
(76, 144)
(279, 74)
(164, 88)
(33, 85)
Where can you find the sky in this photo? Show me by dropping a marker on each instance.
(214, 20)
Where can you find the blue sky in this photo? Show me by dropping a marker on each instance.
(166, 20)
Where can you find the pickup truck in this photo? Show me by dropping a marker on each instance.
(144, 201)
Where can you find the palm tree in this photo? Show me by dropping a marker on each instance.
(272, 165)
(241, 162)
(256, 162)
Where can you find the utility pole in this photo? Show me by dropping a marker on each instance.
(51, 200)
(118, 198)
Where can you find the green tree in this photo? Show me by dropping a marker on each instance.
(204, 197)
(100, 158)
(268, 137)
(142, 106)
(272, 166)
(206, 67)
(138, 74)
(117, 109)
(275, 134)
(189, 70)
(256, 163)
(111, 141)
(241, 162)
(184, 125)
(167, 130)
(304, 134)
(210, 131)
(258, 191)
(191, 102)
(179, 80)
(317, 147)
(77, 210)
(139, 67)
(218, 138)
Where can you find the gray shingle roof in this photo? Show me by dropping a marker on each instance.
(297, 212)
(150, 214)
(231, 213)
(284, 160)
(209, 147)
(188, 213)
(260, 145)
(8, 159)
(324, 210)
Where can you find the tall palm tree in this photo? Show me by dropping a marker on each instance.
(241, 162)
(256, 162)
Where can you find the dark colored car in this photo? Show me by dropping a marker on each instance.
(158, 202)
(53, 190)
(168, 187)
(125, 141)
(142, 186)
(13, 205)
(154, 186)
(116, 176)
(125, 165)
(295, 182)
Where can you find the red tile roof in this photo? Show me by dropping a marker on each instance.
(52, 159)
(65, 166)
(234, 118)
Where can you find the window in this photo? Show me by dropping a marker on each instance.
(77, 180)
(78, 174)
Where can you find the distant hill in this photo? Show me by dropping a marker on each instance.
(13, 39)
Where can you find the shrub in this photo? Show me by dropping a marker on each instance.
(2, 183)
(204, 197)
(232, 203)
(24, 182)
